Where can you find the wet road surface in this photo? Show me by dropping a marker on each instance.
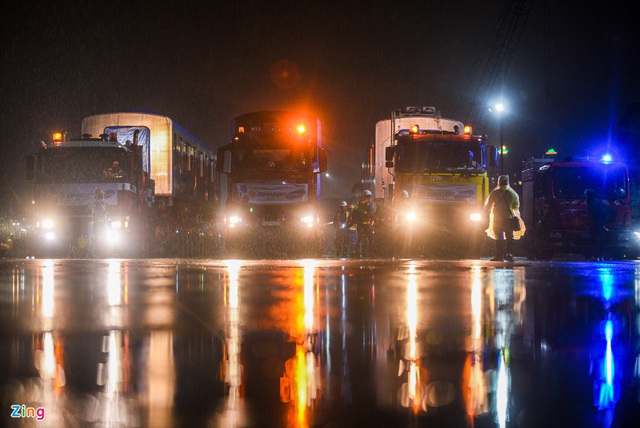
(319, 343)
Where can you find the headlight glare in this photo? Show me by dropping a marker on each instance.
(234, 219)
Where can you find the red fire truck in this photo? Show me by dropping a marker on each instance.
(554, 207)
(270, 184)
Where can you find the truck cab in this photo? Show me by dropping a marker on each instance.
(270, 186)
(444, 168)
(67, 174)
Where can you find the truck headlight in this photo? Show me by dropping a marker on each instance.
(234, 220)
(411, 217)
(49, 236)
(47, 224)
(307, 220)
(475, 217)
(116, 224)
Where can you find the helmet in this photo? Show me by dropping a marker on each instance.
(367, 193)
(405, 194)
(343, 204)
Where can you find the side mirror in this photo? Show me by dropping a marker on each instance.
(320, 164)
(226, 167)
(389, 153)
(31, 168)
(492, 153)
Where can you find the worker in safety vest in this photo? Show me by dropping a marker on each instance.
(363, 217)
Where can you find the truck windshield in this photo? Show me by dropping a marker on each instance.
(272, 157)
(415, 156)
(608, 183)
(82, 165)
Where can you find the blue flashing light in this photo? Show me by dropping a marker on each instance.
(607, 390)
(608, 332)
(607, 158)
(607, 284)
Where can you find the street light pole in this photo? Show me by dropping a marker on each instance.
(500, 111)
(501, 145)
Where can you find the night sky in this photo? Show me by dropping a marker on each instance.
(202, 63)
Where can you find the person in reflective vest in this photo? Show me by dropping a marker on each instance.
(364, 216)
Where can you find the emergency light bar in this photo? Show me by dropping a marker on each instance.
(300, 128)
(415, 129)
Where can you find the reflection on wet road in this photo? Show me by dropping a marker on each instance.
(185, 343)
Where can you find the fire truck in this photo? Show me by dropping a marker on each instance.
(445, 170)
(67, 174)
(554, 207)
(270, 184)
(183, 169)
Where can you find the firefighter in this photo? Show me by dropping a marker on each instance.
(503, 202)
(342, 223)
(597, 218)
(364, 219)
